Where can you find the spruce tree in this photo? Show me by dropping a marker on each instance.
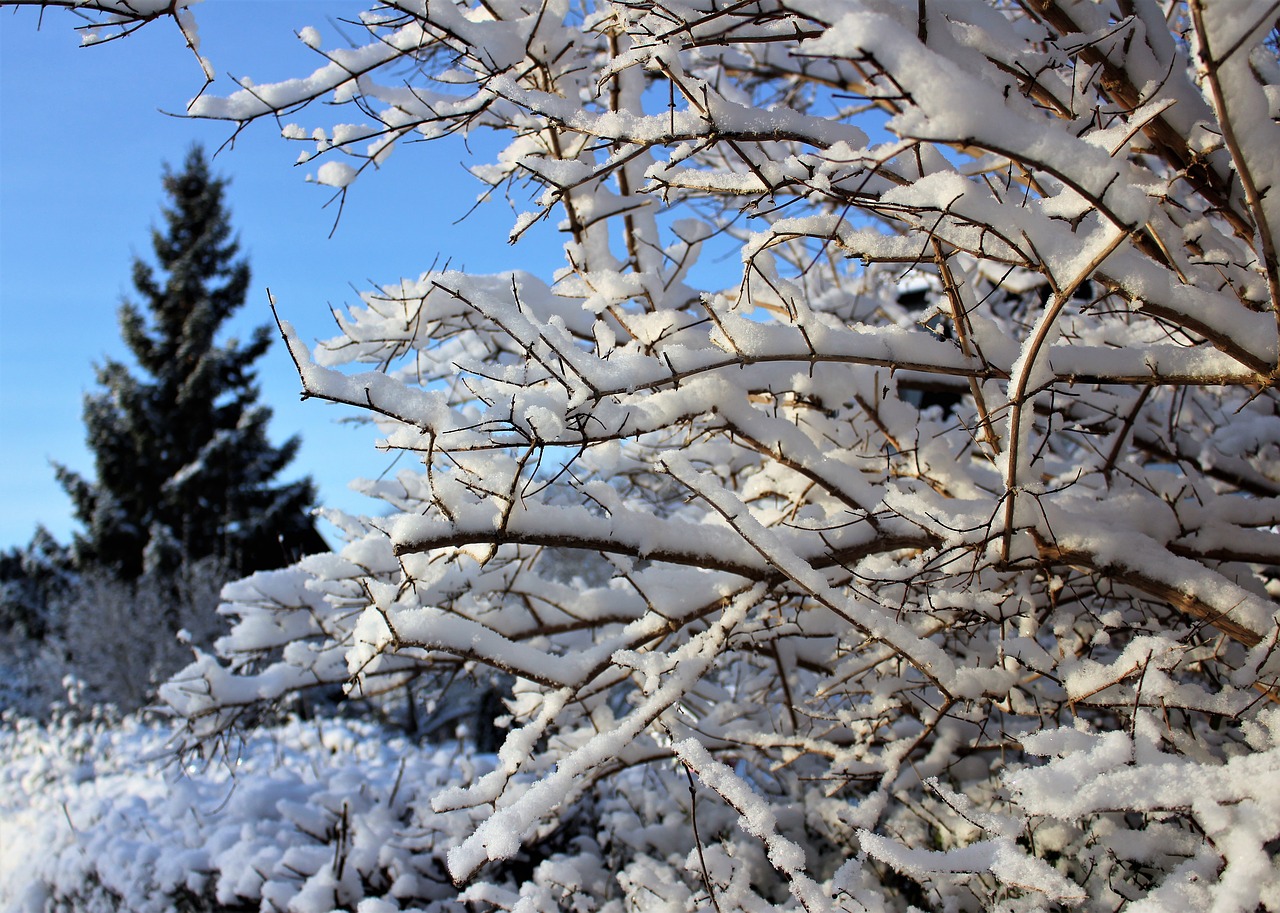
(184, 467)
(30, 580)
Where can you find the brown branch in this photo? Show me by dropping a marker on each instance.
(1053, 554)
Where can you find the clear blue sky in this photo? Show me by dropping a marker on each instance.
(83, 135)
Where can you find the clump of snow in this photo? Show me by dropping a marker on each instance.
(335, 174)
(310, 36)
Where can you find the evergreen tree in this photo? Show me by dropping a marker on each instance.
(31, 578)
(184, 466)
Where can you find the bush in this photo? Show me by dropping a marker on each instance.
(941, 534)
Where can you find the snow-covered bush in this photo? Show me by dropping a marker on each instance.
(941, 522)
(100, 617)
(306, 817)
(90, 636)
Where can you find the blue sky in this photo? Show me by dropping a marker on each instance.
(83, 135)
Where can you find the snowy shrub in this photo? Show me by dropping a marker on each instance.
(305, 817)
(92, 621)
(100, 617)
(940, 521)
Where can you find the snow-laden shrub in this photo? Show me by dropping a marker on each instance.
(91, 638)
(304, 816)
(940, 518)
(99, 618)
(321, 815)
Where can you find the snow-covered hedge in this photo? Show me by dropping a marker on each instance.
(326, 815)
(306, 817)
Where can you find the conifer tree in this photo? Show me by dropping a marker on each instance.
(30, 578)
(184, 465)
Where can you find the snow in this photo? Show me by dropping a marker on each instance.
(1003, 858)
(335, 174)
(135, 825)
(309, 36)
